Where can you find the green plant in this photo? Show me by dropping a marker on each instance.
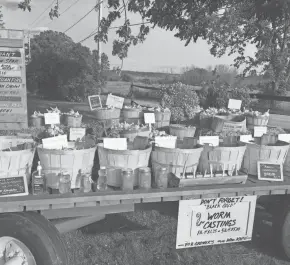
(182, 101)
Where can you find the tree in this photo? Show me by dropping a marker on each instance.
(227, 25)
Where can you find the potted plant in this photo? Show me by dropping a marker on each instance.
(72, 119)
(37, 119)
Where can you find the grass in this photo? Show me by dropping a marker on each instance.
(148, 235)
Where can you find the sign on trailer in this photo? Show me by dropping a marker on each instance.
(270, 171)
(204, 222)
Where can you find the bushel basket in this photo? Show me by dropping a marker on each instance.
(229, 123)
(108, 117)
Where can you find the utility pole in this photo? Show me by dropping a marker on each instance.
(100, 11)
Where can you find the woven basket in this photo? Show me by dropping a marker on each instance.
(75, 162)
(132, 115)
(178, 161)
(37, 122)
(15, 163)
(230, 156)
(162, 119)
(237, 123)
(72, 121)
(255, 153)
(181, 131)
(130, 135)
(256, 121)
(108, 117)
(118, 159)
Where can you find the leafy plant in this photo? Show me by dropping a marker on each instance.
(182, 101)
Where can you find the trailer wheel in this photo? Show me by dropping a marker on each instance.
(34, 237)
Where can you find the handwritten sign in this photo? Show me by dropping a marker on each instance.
(57, 142)
(10, 60)
(95, 102)
(114, 101)
(149, 118)
(211, 140)
(10, 54)
(270, 171)
(115, 143)
(246, 138)
(260, 130)
(51, 118)
(234, 104)
(76, 133)
(11, 79)
(214, 221)
(10, 73)
(9, 67)
(229, 126)
(13, 186)
(284, 137)
(166, 141)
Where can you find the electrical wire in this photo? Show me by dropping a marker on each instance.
(83, 17)
(42, 13)
(67, 9)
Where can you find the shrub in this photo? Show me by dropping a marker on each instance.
(182, 101)
(127, 78)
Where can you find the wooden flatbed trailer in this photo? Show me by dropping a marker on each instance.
(26, 218)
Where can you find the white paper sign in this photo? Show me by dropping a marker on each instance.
(284, 137)
(246, 138)
(214, 221)
(234, 104)
(260, 130)
(211, 140)
(76, 133)
(115, 143)
(57, 142)
(114, 101)
(166, 142)
(149, 118)
(51, 118)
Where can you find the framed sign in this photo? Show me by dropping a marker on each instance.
(76, 133)
(234, 104)
(149, 118)
(115, 143)
(270, 171)
(13, 186)
(95, 102)
(115, 101)
(57, 142)
(51, 118)
(204, 222)
(211, 140)
(260, 130)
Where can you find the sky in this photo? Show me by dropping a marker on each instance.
(161, 52)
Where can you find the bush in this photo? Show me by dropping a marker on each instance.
(182, 101)
(127, 78)
(217, 94)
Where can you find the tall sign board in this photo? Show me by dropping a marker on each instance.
(13, 97)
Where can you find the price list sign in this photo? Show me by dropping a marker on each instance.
(13, 98)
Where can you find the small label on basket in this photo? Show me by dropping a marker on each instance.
(259, 131)
(51, 118)
(270, 171)
(246, 138)
(211, 140)
(234, 104)
(166, 142)
(95, 102)
(76, 133)
(115, 101)
(229, 126)
(57, 142)
(284, 137)
(149, 118)
(115, 143)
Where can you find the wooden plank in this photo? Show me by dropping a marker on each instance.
(171, 199)
(110, 202)
(210, 195)
(262, 192)
(157, 199)
(62, 205)
(191, 197)
(15, 208)
(11, 43)
(277, 192)
(228, 194)
(129, 201)
(86, 204)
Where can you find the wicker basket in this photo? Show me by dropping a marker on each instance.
(255, 153)
(75, 162)
(132, 115)
(230, 122)
(37, 122)
(15, 163)
(72, 121)
(118, 159)
(256, 121)
(229, 156)
(181, 131)
(162, 119)
(108, 117)
(178, 161)
(130, 135)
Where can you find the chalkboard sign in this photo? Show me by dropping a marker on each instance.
(270, 171)
(13, 186)
(95, 102)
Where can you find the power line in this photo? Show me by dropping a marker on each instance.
(95, 30)
(82, 18)
(42, 13)
(67, 9)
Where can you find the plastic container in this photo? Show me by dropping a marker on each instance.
(102, 180)
(86, 183)
(162, 178)
(64, 183)
(127, 179)
(145, 178)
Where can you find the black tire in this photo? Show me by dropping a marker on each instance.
(38, 234)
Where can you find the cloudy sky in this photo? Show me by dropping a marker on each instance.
(160, 52)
